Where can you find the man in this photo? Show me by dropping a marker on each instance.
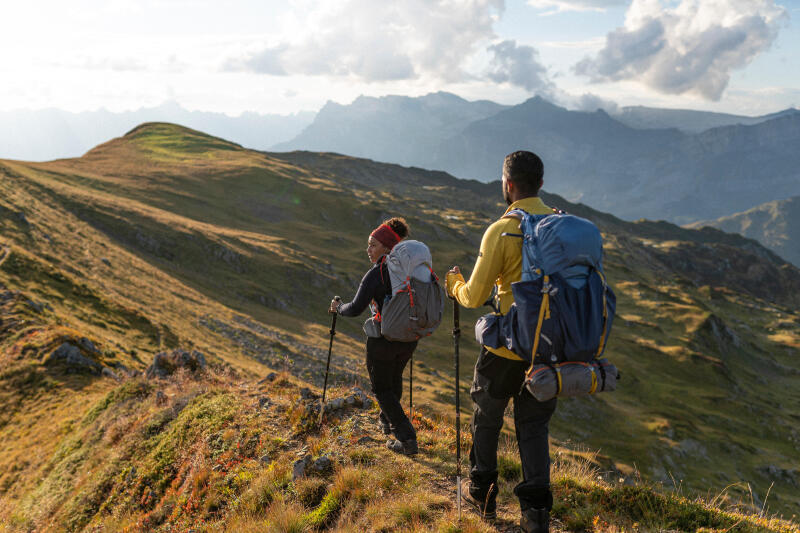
(499, 372)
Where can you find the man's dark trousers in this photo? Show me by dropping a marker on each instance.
(496, 381)
(385, 363)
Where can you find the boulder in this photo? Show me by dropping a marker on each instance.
(108, 373)
(776, 473)
(70, 355)
(39, 307)
(300, 466)
(88, 346)
(322, 465)
(272, 376)
(166, 363)
(334, 405)
(360, 397)
(306, 394)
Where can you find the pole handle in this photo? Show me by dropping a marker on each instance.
(337, 299)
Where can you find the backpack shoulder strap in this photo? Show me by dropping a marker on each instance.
(515, 213)
(383, 269)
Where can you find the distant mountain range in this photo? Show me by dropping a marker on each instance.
(686, 120)
(774, 224)
(653, 170)
(395, 129)
(678, 165)
(53, 134)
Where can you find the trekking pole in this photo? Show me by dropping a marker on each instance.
(456, 336)
(411, 387)
(328, 364)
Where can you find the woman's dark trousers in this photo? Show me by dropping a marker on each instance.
(496, 381)
(386, 361)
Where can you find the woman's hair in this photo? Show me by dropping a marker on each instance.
(399, 226)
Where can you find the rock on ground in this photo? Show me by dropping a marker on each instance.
(166, 363)
(71, 356)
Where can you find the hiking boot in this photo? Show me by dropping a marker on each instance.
(535, 521)
(482, 501)
(406, 447)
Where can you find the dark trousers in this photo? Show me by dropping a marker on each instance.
(386, 361)
(497, 380)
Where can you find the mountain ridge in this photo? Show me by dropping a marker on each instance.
(774, 224)
(52, 133)
(687, 120)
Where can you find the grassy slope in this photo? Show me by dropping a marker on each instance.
(196, 231)
(204, 456)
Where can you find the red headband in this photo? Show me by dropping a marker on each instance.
(386, 236)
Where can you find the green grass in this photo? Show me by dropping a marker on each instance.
(131, 390)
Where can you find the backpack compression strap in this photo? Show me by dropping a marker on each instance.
(544, 309)
(602, 345)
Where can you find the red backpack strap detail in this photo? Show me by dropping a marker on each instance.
(410, 294)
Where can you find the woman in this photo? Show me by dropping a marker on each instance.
(385, 359)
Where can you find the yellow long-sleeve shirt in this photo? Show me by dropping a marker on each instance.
(499, 263)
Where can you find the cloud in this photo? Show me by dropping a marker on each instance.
(174, 65)
(114, 64)
(378, 41)
(691, 48)
(520, 66)
(552, 7)
(593, 102)
(265, 61)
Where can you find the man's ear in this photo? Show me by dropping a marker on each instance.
(509, 185)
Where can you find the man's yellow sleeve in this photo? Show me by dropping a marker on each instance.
(485, 273)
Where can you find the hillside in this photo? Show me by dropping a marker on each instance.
(775, 224)
(169, 239)
(45, 134)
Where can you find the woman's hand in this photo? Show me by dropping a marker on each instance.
(334, 308)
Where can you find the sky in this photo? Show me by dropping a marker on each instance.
(269, 56)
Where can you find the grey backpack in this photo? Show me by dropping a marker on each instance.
(415, 307)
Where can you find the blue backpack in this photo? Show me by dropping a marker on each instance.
(563, 308)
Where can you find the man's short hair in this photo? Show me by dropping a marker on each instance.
(525, 170)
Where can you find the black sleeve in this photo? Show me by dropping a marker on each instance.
(371, 284)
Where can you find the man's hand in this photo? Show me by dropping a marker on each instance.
(453, 275)
(334, 308)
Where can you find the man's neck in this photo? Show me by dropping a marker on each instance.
(522, 197)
